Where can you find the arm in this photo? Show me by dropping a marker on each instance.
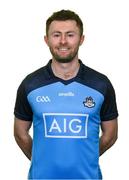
(22, 137)
(109, 134)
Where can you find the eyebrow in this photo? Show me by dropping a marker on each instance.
(65, 32)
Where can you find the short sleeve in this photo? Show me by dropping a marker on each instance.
(22, 108)
(109, 107)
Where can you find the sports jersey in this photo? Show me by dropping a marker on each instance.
(66, 117)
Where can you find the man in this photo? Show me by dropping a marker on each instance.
(67, 102)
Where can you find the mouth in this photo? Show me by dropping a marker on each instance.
(63, 49)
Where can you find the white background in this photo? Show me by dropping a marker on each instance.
(22, 50)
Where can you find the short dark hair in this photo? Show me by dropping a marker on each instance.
(64, 15)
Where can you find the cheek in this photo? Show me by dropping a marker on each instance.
(75, 44)
(53, 43)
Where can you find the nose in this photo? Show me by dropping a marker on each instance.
(63, 39)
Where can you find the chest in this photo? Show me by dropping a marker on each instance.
(66, 110)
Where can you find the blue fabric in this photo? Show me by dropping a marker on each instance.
(66, 119)
(66, 133)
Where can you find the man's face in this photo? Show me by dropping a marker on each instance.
(64, 40)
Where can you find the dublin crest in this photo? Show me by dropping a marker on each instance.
(89, 102)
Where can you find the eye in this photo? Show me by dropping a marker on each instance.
(70, 34)
(56, 35)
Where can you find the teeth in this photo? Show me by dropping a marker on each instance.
(63, 49)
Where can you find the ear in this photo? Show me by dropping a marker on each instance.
(82, 39)
(46, 39)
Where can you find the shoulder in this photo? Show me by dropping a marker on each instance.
(35, 79)
(37, 74)
(94, 74)
(95, 79)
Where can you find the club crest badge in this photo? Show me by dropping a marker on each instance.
(89, 102)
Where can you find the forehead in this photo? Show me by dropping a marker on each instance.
(63, 26)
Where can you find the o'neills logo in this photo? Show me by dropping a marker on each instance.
(66, 94)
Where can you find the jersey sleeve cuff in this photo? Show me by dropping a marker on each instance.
(110, 117)
(22, 117)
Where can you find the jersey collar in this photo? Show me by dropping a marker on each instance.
(51, 74)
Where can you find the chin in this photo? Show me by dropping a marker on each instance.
(64, 59)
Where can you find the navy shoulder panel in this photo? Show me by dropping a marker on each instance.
(38, 78)
(94, 79)
(101, 83)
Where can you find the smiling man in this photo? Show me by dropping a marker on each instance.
(64, 39)
(67, 102)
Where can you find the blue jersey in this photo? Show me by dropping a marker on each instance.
(66, 117)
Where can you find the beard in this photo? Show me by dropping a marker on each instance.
(67, 59)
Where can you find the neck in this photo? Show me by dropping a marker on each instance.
(65, 71)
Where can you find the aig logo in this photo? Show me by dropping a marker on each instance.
(43, 99)
(63, 125)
